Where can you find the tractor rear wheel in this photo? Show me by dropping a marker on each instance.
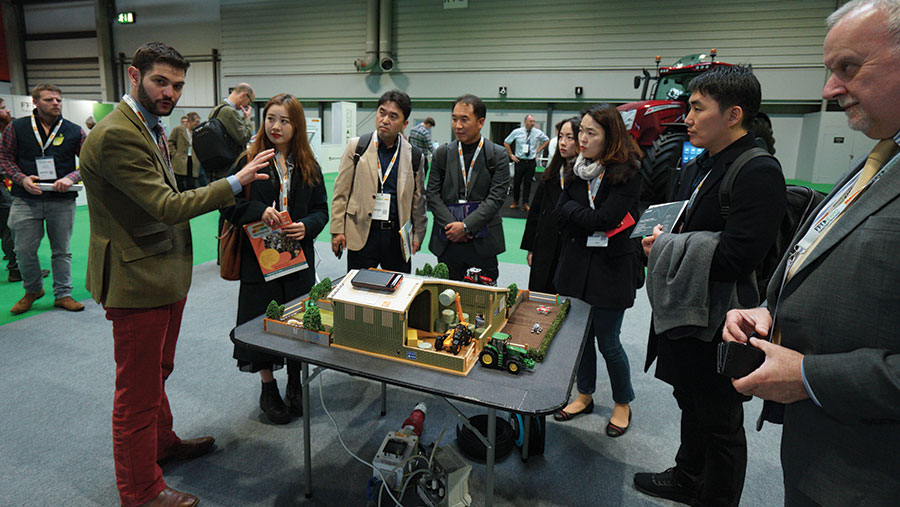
(454, 348)
(658, 165)
(514, 365)
(488, 357)
(439, 343)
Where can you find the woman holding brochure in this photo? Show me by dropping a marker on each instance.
(295, 186)
(598, 263)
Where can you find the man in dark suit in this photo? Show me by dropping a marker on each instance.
(472, 170)
(139, 266)
(712, 458)
(837, 367)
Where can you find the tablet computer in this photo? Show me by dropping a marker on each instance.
(374, 279)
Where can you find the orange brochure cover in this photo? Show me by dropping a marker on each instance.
(277, 254)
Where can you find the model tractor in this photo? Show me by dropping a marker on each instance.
(658, 124)
(456, 337)
(500, 354)
(473, 275)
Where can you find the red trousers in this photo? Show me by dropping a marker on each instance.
(145, 341)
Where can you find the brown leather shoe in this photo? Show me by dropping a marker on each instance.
(25, 303)
(67, 303)
(171, 498)
(514, 205)
(526, 207)
(187, 449)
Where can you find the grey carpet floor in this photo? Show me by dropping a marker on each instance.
(57, 389)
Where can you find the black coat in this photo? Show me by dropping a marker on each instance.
(602, 276)
(541, 237)
(758, 203)
(307, 204)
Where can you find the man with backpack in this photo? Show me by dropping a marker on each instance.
(233, 113)
(378, 207)
(467, 185)
(697, 273)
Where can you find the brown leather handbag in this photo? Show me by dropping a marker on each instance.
(230, 239)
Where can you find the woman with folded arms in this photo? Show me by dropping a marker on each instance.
(295, 185)
(599, 264)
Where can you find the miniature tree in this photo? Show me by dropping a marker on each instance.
(312, 319)
(274, 310)
(427, 270)
(441, 271)
(319, 291)
(513, 295)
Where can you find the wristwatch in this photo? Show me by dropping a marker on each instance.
(465, 228)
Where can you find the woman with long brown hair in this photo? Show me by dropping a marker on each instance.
(597, 264)
(295, 185)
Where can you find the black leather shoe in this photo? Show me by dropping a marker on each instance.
(614, 431)
(562, 415)
(293, 397)
(666, 485)
(272, 405)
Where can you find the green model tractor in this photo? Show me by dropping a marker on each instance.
(500, 354)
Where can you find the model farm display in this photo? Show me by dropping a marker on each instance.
(430, 322)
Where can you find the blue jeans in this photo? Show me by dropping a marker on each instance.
(26, 219)
(606, 326)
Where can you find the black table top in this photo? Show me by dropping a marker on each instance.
(541, 392)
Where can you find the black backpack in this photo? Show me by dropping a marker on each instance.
(801, 201)
(215, 149)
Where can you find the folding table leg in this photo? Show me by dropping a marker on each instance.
(307, 451)
(383, 399)
(489, 458)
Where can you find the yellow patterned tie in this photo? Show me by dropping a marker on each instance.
(881, 153)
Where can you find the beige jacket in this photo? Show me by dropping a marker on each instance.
(351, 215)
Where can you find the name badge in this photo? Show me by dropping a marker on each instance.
(597, 239)
(382, 209)
(46, 168)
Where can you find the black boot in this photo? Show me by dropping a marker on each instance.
(272, 405)
(293, 396)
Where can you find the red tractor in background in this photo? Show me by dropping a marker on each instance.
(658, 124)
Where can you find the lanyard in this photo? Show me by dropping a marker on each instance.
(835, 208)
(527, 144)
(164, 155)
(696, 192)
(828, 214)
(285, 173)
(462, 164)
(134, 107)
(384, 176)
(593, 187)
(38, 135)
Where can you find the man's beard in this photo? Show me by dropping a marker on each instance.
(148, 103)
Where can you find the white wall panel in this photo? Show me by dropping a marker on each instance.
(59, 17)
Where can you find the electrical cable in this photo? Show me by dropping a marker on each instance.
(341, 440)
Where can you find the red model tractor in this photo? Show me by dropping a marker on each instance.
(658, 124)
